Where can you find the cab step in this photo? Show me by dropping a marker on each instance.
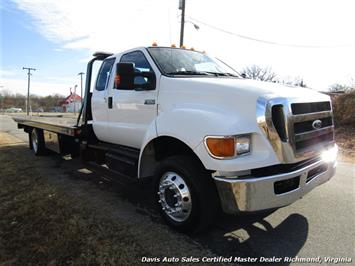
(120, 159)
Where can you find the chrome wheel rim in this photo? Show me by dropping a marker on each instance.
(174, 197)
(34, 142)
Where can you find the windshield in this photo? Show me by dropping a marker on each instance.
(173, 61)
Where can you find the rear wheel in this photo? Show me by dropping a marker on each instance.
(185, 194)
(37, 142)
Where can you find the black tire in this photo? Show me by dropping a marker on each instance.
(37, 144)
(204, 197)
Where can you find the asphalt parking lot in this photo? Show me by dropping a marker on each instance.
(319, 225)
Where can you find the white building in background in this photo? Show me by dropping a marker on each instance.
(73, 107)
(71, 104)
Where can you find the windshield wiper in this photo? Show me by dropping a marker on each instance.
(224, 74)
(232, 75)
(206, 73)
(190, 72)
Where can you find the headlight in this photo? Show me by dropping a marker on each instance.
(242, 144)
(330, 155)
(227, 147)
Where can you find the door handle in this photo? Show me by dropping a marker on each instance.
(110, 102)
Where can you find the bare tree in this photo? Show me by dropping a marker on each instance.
(259, 73)
(337, 87)
(297, 81)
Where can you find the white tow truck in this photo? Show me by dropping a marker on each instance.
(205, 137)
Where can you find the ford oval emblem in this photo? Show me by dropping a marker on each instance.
(317, 124)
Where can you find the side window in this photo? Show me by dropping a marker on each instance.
(141, 65)
(138, 58)
(104, 74)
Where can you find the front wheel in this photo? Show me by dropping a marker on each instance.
(185, 194)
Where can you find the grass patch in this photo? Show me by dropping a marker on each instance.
(40, 224)
(58, 222)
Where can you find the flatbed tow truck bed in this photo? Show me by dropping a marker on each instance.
(63, 124)
(68, 137)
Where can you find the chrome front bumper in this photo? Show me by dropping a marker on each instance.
(261, 193)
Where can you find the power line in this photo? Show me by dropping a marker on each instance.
(266, 41)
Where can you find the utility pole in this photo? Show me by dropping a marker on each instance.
(182, 7)
(28, 87)
(75, 98)
(2, 109)
(81, 84)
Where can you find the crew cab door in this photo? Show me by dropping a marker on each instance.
(132, 110)
(99, 100)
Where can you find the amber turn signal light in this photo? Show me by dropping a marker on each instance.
(221, 147)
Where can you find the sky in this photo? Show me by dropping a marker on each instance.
(314, 40)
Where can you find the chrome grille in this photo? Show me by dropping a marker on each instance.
(314, 107)
(306, 126)
(297, 128)
(305, 135)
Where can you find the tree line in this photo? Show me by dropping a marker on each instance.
(47, 103)
(267, 74)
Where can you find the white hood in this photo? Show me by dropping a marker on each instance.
(257, 88)
(228, 93)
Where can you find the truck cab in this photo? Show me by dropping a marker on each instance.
(205, 137)
(260, 144)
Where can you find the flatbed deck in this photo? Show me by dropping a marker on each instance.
(63, 124)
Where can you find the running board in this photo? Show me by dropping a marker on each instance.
(122, 164)
(110, 174)
(121, 159)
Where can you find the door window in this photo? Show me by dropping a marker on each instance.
(138, 58)
(141, 65)
(104, 74)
